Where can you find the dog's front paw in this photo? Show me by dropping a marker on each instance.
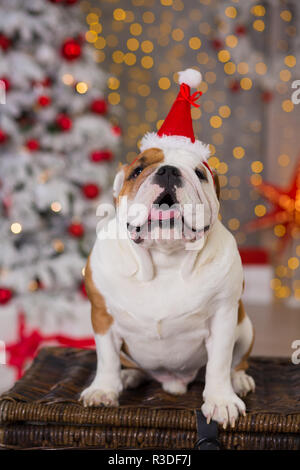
(223, 408)
(95, 396)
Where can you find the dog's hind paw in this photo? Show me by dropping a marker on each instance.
(132, 378)
(242, 383)
(175, 387)
(93, 396)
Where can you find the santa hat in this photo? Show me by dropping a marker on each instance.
(177, 129)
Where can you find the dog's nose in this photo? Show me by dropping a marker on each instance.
(168, 175)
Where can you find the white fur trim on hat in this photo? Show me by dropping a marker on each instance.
(190, 77)
(152, 140)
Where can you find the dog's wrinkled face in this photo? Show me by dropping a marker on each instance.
(171, 198)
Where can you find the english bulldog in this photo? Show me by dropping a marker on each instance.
(166, 297)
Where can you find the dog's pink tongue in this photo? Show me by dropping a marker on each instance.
(156, 214)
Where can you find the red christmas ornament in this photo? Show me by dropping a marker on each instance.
(46, 82)
(83, 289)
(116, 130)
(33, 145)
(99, 106)
(71, 49)
(40, 285)
(76, 229)
(64, 122)
(101, 156)
(6, 202)
(234, 86)
(217, 44)
(241, 30)
(6, 82)
(266, 96)
(91, 190)
(286, 208)
(44, 100)
(3, 137)
(5, 42)
(5, 295)
(70, 2)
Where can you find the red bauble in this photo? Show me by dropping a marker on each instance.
(71, 49)
(64, 122)
(5, 295)
(101, 156)
(240, 30)
(6, 82)
(217, 44)
(83, 289)
(33, 145)
(116, 130)
(5, 42)
(40, 285)
(44, 100)
(46, 82)
(70, 2)
(91, 190)
(76, 229)
(266, 96)
(3, 136)
(234, 86)
(99, 106)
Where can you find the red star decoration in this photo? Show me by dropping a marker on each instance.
(286, 207)
(28, 343)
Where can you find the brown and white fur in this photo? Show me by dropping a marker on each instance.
(165, 308)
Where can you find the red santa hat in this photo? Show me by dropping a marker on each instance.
(177, 129)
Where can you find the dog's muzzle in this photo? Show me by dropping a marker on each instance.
(168, 177)
(166, 211)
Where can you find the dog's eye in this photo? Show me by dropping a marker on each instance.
(136, 172)
(201, 175)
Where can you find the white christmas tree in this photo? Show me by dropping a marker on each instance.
(57, 145)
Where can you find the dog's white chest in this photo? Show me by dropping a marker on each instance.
(170, 343)
(149, 315)
(165, 320)
(166, 303)
(129, 324)
(167, 299)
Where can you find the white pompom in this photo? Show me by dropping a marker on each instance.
(191, 77)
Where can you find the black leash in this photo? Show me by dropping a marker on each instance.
(207, 433)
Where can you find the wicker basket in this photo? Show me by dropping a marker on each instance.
(42, 410)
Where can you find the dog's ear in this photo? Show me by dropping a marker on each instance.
(217, 184)
(118, 181)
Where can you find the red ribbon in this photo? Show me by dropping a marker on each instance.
(185, 95)
(28, 343)
(210, 170)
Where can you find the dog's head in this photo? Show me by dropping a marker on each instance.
(171, 198)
